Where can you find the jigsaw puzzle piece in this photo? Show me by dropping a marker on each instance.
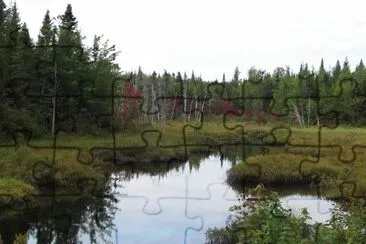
(57, 75)
(131, 222)
(320, 208)
(135, 98)
(162, 201)
(154, 190)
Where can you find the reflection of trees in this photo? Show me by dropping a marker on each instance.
(92, 214)
(61, 221)
(233, 154)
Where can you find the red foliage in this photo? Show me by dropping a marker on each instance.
(130, 101)
(130, 92)
(226, 106)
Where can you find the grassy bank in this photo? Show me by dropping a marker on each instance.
(30, 167)
(35, 166)
(338, 161)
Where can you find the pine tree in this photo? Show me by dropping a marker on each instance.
(336, 70)
(13, 25)
(46, 32)
(68, 20)
(22, 60)
(3, 12)
(322, 76)
(360, 66)
(11, 30)
(71, 65)
(236, 75)
(193, 78)
(321, 68)
(69, 36)
(345, 67)
(3, 39)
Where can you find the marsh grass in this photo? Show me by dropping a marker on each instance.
(331, 158)
(164, 143)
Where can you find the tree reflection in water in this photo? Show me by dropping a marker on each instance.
(66, 219)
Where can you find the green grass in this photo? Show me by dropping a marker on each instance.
(34, 164)
(288, 169)
(19, 162)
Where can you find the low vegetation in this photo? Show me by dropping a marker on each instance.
(336, 161)
(264, 220)
(31, 163)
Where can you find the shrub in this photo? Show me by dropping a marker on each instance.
(265, 221)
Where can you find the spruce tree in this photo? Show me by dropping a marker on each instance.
(12, 25)
(22, 59)
(321, 68)
(3, 40)
(68, 20)
(236, 75)
(3, 12)
(70, 65)
(345, 67)
(336, 70)
(46, 32)
(360, 66)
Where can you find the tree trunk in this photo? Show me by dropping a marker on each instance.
(297, 115)
(54, 102)
(309, 111)
(190, 109)
(202, 109)
(173, 109)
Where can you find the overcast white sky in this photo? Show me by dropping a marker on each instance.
(214, 36)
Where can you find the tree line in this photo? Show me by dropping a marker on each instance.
(57, 82)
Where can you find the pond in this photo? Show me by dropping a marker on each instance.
(176, 206)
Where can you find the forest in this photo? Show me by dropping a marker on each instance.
(57, 86)
(57, 83)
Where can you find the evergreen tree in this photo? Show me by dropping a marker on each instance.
(12, 25)
(193, 78)
(3, 12)
(321, 68)
(71, 67)
(11, 32)
(336, 70)
(69, 36)
(360, 66)
(22, 61)
(3, 39)
(46, 32)
(68, 20)
(345, 67)
(236, 75)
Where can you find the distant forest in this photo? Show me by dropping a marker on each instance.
(58, 83)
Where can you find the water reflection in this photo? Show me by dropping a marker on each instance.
(62, 220)
(160, 203)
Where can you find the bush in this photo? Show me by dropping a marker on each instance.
(265, 221)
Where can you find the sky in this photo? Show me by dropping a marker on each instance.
(212, 37)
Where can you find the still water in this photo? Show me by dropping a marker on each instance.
(179, 206)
